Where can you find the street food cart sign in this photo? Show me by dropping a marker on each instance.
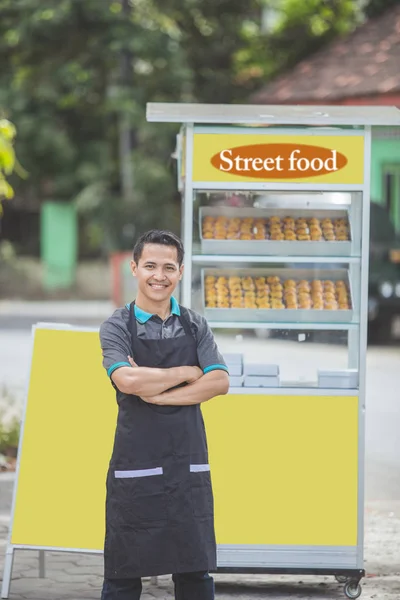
(232, 158)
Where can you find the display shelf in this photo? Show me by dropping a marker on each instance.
(310, 211)
(254, 258)
(293, 391)
(290, 314)
(331, 326)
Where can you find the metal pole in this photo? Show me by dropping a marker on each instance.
(125, 132)
(42, 564)
(8, 566)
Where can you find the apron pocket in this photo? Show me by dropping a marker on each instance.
(140, 496)
(202, 497)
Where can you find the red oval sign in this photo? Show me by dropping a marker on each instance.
(279, 161)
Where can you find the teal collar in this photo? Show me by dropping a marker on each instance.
(142, 316)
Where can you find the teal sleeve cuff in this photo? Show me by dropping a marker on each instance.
(215, 368)
(116, 366)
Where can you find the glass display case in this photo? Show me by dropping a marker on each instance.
(283, 266)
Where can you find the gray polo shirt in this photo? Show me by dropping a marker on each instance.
(116, 342)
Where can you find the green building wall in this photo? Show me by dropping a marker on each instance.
(59, 244)
(386, 158)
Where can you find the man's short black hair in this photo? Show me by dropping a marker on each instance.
(158, 236)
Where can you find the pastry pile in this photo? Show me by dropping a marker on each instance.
(275, 293)
(276, 229)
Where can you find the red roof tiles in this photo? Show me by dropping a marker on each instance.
(364, 63)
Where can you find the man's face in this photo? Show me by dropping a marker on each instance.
(157, 271)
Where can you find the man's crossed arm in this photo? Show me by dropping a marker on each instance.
(147, 381)
(152, 384)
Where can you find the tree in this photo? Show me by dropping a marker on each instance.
(62, 85)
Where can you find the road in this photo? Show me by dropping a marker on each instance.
(70, 577)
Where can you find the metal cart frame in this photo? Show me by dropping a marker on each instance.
(348, 568)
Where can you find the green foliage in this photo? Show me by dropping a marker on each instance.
(73, 70)
(7, 159)
(9, 435)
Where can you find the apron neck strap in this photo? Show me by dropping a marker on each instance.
(184, 319)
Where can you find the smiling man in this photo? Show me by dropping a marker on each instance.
(163, 363)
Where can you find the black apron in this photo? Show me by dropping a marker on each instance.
(159, 508)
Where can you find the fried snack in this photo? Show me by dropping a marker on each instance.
(291, 293)
(289, 222)
(234, 279)
(303, 237)
(290, 235)
(329, 297)
(276, 295)
(277, 304)
(277, 237)
(289, 283)
(318, 305)
(316, 284)
(331, 305)
(316, 237)
(247, 283)
(259, 282)
(305, 304)
(273, 279)
(291, 303)
(303, 284)
(274, 220)
(237, 303)
(317, 296)
(224, 304)
(328, 283)
(263, 303)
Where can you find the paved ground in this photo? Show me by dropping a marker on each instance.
(78, 577)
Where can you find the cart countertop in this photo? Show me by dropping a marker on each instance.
(273, 115)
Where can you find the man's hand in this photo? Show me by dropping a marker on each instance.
(153, 399)
(195, 374)
(132, 362)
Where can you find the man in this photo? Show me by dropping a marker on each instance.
(163, 362)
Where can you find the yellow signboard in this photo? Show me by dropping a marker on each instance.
(284, 468)
(255, 158)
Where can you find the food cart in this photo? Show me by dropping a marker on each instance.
(275, 222)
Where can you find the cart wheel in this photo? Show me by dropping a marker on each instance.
(342, 578)
(352, 589)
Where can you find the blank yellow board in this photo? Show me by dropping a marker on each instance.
(284, 468)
